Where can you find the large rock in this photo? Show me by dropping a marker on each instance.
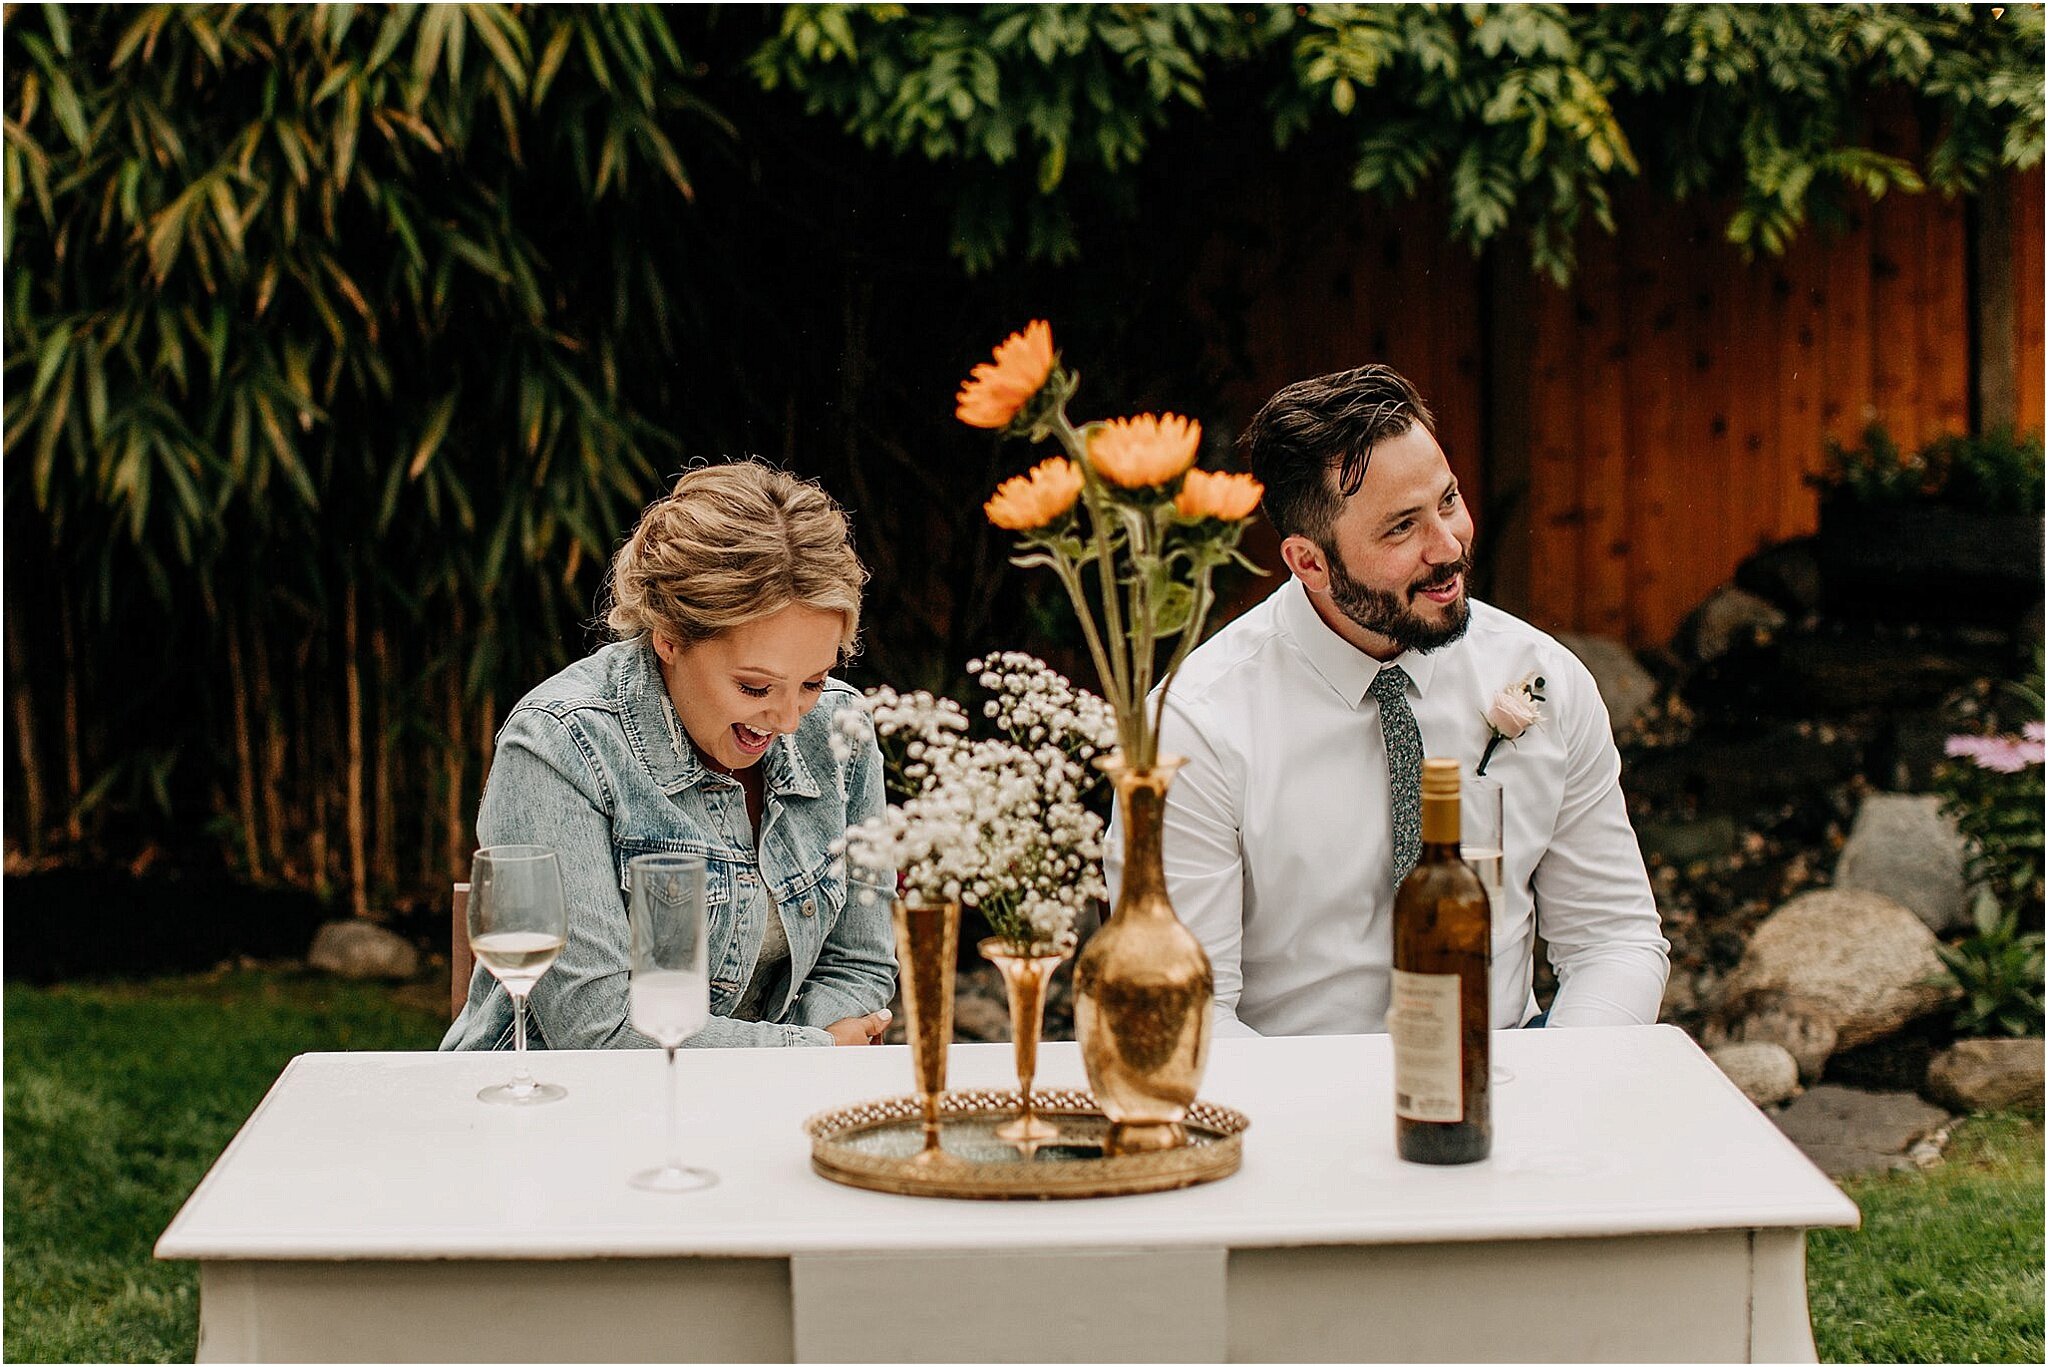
(1831, 970)
(1625, 686)
(1787, 574)
(1846, 1131)
(1987, 1075)
(357, 949)
(1903, 847)
(1728, 618)
(1765, 1072)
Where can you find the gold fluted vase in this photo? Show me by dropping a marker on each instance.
(1025, 977)
(1142, 986)
(925, 941)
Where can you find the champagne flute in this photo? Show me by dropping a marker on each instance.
(671, 983)
(1482, 843)
(518, 922)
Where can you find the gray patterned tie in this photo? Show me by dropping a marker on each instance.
(1404, 766)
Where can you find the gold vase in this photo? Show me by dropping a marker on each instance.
(1025, 976)
(1142, 986)
(927, 938)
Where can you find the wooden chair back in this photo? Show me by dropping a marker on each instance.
(460, 961)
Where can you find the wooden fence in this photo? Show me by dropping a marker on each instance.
(1632, 438)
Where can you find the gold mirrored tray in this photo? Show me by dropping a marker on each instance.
(877, 1145)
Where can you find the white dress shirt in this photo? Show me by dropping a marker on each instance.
(1278, 841)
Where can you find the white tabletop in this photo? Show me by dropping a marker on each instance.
(1600, 1132)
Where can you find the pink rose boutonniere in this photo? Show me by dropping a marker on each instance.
(1513, 710)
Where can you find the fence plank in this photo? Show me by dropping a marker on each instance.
(1600, 333)
(1943, 320)
(1798, 439)
(1850, 366)
(1556, 515)
(2028, 231)
(1659, 472)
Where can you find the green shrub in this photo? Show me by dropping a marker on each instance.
(1999, 969)
(1992, 788)
(1995, 472)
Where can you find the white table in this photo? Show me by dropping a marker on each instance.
(1635, 1207)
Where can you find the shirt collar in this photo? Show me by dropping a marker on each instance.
(656, 734)
(1347, 670)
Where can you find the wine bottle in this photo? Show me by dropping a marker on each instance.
(1438, 1015)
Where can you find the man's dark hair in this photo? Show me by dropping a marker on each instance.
(1314, 427)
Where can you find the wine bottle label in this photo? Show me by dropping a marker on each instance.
(1422, 1018)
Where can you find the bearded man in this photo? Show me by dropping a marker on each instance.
(1303, 724)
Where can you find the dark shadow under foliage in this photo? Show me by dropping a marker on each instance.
(99, 923)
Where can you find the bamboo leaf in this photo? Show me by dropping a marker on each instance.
(551, 60)
(51, 357)
(397, 20)
(431, 437)
(426, 52)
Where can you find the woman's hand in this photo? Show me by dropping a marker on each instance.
(860, 1029)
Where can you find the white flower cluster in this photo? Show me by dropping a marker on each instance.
(1001, 824)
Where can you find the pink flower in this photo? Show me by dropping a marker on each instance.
(1513, 710)
(2000, 754)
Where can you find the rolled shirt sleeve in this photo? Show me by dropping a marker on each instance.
(1594, 906)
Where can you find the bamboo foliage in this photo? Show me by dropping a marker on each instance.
(326, 327)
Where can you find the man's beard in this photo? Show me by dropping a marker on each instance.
(1389, 615)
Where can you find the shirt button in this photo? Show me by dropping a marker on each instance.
(810, 907)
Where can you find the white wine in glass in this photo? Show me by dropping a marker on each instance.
(670, 993)
(518, 923)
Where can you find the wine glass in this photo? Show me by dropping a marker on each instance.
(671, 984)
(1482, 843)
(1481, 834)
(518, 922)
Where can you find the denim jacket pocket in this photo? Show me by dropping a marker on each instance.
(817, 895)
(721, 890)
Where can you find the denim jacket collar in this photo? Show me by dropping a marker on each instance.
(656, 735)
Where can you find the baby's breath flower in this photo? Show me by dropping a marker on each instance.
(999, 823)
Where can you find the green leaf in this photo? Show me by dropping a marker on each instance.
(435, 432)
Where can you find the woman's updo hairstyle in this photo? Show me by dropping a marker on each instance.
(731, 544)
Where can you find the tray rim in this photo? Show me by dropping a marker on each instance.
(1111, 1175)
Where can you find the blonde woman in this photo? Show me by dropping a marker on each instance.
(705, 728)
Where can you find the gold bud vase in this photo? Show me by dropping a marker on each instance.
(925, 940)
(1025, 976)
(1142, 986)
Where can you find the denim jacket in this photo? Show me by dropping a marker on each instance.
(591, 764)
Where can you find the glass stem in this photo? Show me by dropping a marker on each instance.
(522, 1081)
(675, 1141)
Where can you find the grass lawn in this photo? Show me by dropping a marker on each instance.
(1947, 1266)
(118, 1097)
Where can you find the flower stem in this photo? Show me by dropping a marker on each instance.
(1130, 722)
(1486, 756)
(1197, 614)
(1070, 578)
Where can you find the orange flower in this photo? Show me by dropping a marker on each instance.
(1227, 498)
(998, 389)
(1145, 451)
(1028, 502)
